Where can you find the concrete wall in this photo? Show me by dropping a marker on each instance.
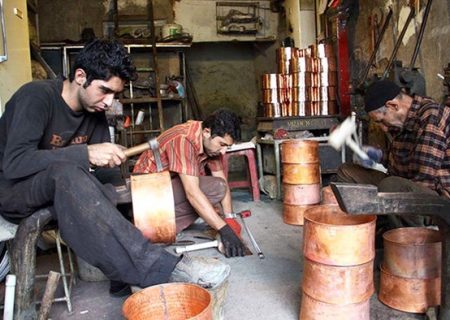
(17, 69)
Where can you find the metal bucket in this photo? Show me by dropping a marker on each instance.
(336, 284)
(407, 294)
(335, 238)
(301, 194)
(412, 253)
(175, 301)
(293, 214)
(312, 309)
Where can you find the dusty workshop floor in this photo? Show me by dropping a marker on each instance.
(259, 289)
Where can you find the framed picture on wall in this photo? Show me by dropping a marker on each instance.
(3, 49)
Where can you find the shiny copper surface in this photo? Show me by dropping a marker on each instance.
(412, 253)
(302, 79)
(284, 53)
(300, 94)
(285, 109)
(328, 196)
(335, 238)
(327, 78)
(284, 66)
(327, 107)
(314, 93)
(301, 194)
(293, 214)
(325, 50)
(301, 173)
(408, 294)
(312, 309)
(272, 109)
(270, 96)
(301, 64)
(327, 64)
(315, 109)
(313, 50)
(338, 284)
(315, 82)
(300, 151)
(269, 81)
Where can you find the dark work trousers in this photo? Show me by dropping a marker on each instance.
(214, 189)
(353, 173)
(85, 210)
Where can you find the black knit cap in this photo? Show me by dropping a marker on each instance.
(378, 93)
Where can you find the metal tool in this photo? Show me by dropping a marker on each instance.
(246, 214)
(199, 246)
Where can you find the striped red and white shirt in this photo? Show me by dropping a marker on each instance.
(181, 149)
(420, 150)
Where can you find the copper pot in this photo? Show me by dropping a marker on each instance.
(337, 284)
(327, 64)
(285, 109)
(325, 50)
(270, 96)
(327, 108)
(302, 79)
(272, 110)
(328, 94)
(333, 237)
(313, 309)
(316, 108)
(293, 214)
(301, 173)
(327, 78)
(328, 196)
(301, 194)
(284, 66)
(314, 93)
(300, 151)
(300, 94)
(303, 64)
(269, 80)
(284, 53)
(413, 253)
(312, 50)
(408, 294)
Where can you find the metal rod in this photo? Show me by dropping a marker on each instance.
(420, 36)
(252, 239)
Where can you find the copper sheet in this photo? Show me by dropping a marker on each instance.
(301, 194)
(325, 50)
(337, 284)
(312, 309)
(269, 80)
(407, 294)
(302, 64)
(327, 78)
(301, 173)
(327, 64)
(272, 109)
(328, 196)
(293, 214)
(300, 151)
(413, 252)
(270, 96)
(302, 79)
(335, 238)
(153, 206)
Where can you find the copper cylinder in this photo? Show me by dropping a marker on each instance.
(269, 81)
(302, 79)
(285, 109)
(312, 309)
(328, 196)
(301, 194)
(315, 79)
(325, 50)
(270, 96)
(314, 93)
(338, 284)
(293, 214)
(315, 65)
(327, 78)
(300, 94)
(412, 253)
(312, 50)
(331, 94)
(284, 66)
(272, 109)
(335, 238)
(284, 53)
(327, 108)
(300, 151)
(327, 64)
(407, 294)
(302, 64)
(303, 107)
(295, 105)
(301, 173)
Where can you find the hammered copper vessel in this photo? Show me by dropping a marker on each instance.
(407, 294)
(412, 253)
(301, 173)
(338, 284)
(300, 151)
(293, 214)
(301, 194)
(335, 238)
(313, 309)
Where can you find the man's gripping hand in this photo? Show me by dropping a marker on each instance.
(375, 156)
(232, 244)
(106, 154)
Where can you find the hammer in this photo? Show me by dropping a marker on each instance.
(150, 144)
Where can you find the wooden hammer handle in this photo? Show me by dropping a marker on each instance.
(137, 149)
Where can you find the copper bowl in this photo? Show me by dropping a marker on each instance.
(313, 309)
(300, 151)
(301, 194)
(293, 214)
(413, 252)
(338, 284)
(407, 294)
(336, 238)
(328, 196)
(270, 81)
(177, 301)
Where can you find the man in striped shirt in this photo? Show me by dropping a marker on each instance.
(186, 150)
(418, 157)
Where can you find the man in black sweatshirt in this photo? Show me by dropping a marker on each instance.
(52, 134)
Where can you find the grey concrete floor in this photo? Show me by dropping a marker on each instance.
(266, 289)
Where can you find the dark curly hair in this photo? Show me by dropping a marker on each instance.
(222, 122)
(103, 59)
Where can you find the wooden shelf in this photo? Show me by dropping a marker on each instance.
(146, 100)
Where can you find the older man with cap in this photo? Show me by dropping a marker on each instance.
(418, 156)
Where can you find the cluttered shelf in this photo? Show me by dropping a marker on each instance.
(147, 100)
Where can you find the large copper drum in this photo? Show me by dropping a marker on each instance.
(300, 151)
(412, 253)
(301, 173)
(313, 309)
(407, 294)
(175, 301)
(328, 196)
(293, 214)
(337, 284)
(301, 194)
(269, 81)
(336, 238)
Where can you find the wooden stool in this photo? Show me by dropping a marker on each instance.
(252, 174)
